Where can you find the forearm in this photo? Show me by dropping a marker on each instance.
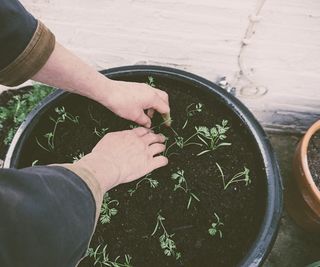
(67, 71)
(25, 43)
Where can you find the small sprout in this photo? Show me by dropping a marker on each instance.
(191, 110)
(77, 157)
(152, 183)
(166, 242)
(101, 257)
(63, 116)
(151, 81)
(238, 177)
(213, 136)
(100, 133)
(106, 210)
(181, 142)
(167, 119)
(17, 108)
(181, 183)
(133, 126)
(215, 227)
(34, 163)
(166, 122)
(91, 116)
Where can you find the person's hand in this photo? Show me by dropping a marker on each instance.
(122, 157)
(130, 100)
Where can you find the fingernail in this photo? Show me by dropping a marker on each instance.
(163, 136)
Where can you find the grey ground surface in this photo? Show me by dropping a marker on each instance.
(293, 246)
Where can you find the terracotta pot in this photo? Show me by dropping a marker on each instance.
(303, 196)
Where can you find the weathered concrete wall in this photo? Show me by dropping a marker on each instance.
(268, 49)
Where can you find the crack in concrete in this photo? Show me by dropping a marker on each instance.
(248, 87)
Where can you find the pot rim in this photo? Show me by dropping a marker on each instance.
(304, 158)
(267, 233)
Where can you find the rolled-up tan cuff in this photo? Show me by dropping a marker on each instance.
(31, 60)
(90, 181)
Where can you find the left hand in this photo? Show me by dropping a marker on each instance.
(130, 100)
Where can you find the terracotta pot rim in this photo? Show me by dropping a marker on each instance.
(304, 157)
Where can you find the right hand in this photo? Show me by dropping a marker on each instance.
(121, 157)
(130, 100)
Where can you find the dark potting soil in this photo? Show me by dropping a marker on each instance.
(239, 207)
(314, 158)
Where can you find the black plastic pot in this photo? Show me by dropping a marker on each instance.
(268, 230)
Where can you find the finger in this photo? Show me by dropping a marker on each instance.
(152, 138)
(167, 119)
(157, 148)
(163, 95)
(140, 131)
(143, 120)
(160, 105)
(150, 112)
(159, 161)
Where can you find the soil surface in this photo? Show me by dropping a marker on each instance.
(314, 158)
(239, 207)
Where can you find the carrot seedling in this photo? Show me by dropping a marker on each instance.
(167, 244)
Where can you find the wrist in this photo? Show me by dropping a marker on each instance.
(102, 90)
(102, 169)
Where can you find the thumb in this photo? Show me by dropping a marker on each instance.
(143, 120)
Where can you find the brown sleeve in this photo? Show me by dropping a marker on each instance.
(90, 181)
(31, 60)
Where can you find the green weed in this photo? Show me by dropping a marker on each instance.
(181, 183)
(215, 227)
(147, 179)
(50, 136)
(212, 138)
(101, 257)
(19, 107)
(237, 178)
(167, 244)
(191, 110)
(107, 211)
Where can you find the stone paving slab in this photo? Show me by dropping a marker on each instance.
(293, 246)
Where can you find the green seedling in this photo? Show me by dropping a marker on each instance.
(237, 178)
(133, 126)
(91, 116)
(191, 110)
(63, 116)
(167, 244)
(166, 117)
(216, 227)
(16, 110)
(151, 81)
(181, 183)
(166, 122)
(181, 142)
(77, 157)
(34, 163)
(147, 179)
(100, 133)
(101, 257)
(212, 138)
(107, 211)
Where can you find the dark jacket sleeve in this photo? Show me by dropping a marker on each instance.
(47, 217)
(25, 43)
